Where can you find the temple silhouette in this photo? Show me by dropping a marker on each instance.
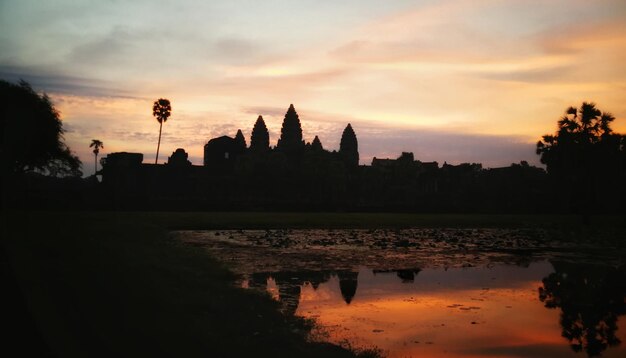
(295, 175)
(299, 175)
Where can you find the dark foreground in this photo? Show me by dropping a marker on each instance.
(116, 284)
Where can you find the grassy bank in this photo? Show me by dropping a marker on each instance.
(115, 284)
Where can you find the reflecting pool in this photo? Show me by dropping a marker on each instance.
(421, 293)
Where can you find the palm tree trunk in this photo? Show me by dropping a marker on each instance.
(158, 145)
(95, 170)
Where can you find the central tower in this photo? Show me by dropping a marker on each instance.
(291, 132)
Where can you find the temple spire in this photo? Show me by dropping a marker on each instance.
(316, 144)
(291, 132)
(240, 140)
(260, 139)
(349, 147)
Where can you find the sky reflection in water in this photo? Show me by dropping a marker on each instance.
(552, 305)
(465, 312)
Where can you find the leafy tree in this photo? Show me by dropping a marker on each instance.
(96, 145)
(161, 110)
(349, 147)
(591, 300)
(31, 134)
(583, 156)
(260, 139)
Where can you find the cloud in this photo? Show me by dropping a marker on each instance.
(574, 38)
(191, 132)
(111, 49)
(462, 38)
(386, 141)
(265, 111)
(448, 80)
(52, 81)
(281, 80)
(234, 50)
(441, 32)
(536, 75)
(443, 146)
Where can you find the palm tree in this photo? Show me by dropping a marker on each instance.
(161, 111)
(96, 144)
(583, 159)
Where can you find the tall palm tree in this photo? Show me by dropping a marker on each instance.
(96, 145)
(161, 111)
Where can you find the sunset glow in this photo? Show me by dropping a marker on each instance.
(456, 81)
(450, 314)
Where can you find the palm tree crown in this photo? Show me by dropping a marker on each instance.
(96, 144)
(161, 110)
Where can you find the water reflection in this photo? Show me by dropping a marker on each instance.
(476, 311)
(591, 297)
(406, 275)
(348, 283)
(288, 284)
(439, 292)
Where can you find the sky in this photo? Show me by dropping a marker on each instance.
(451, 81)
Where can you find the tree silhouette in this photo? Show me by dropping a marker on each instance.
(96, 145)
(291, 132)
(583, 156)
(591, 298)
(161, 110)
(260, 139)
(31, 134)
(349, 147)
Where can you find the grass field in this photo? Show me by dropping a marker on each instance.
(115, 283)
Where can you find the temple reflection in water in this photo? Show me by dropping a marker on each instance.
(463, 311)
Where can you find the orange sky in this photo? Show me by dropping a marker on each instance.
(448, 80)
(432, 317)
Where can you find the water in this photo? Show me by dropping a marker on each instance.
(504, 293)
